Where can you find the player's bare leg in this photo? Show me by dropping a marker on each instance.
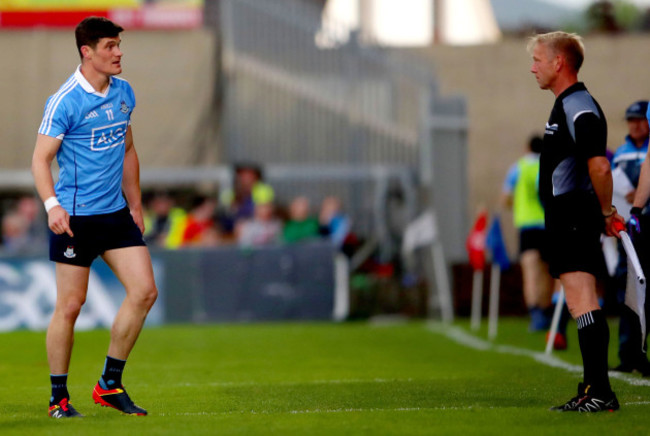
(72, 286)
(132, 266)
(537, 285)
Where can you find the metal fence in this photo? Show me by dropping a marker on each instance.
(298, 95)
(293, 98)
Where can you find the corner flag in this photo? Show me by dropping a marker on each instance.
(476, 242)
(496, 245)
(636, 285)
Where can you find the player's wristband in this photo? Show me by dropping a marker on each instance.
(50, 203)
(611, 213)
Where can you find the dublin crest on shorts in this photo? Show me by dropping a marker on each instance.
(69, 252)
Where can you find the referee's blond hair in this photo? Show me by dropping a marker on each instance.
(568, 44)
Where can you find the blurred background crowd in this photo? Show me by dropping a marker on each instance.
(246, 215)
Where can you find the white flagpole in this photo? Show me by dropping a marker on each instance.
(495, 283)
(557, 314)
(477, 299)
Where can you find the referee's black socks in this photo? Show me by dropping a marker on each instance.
(593, 335)
(112, 375)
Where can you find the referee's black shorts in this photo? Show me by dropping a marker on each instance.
(576, 250)
(93, 235)
(574, 236)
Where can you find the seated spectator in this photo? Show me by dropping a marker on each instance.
(248, 190)
(21, 231)
(201, 228)
(301, 224)
(263, 229)
(164, 221)
(333, 222)
(15, 233)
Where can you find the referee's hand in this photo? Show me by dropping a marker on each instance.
(58, 221)
(614, 224)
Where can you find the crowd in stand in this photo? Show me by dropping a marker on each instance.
(246, 215)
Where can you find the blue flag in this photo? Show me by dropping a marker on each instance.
(495, 244)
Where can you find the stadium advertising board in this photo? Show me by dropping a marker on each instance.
(131, 14)
(28, 295)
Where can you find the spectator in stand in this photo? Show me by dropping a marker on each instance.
(20, 228)
(201, 228)
(263, 229)
(165, 222)
(334, 224)
(248, 190)
(301, 225)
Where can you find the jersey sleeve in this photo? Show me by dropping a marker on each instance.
(590, 135)
(56, 119)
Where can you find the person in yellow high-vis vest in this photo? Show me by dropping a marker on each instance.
(520, 191)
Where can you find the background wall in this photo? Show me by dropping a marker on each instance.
(505, 105)
(172, 72)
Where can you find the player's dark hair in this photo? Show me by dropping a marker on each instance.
(536, 143)
(92, 29)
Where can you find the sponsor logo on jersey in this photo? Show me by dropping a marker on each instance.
(124, 108)
(106, 137)
(551, 129)
(69, 252)
(92, 114)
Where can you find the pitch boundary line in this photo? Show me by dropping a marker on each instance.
(314, 411)
(462, 337)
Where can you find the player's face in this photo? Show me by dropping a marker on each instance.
(543, 67)
(106, 57)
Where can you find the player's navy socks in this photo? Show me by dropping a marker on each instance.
(59, 388)
(112, 375)
(593, 335)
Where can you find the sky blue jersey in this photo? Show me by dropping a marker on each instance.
(92, 127)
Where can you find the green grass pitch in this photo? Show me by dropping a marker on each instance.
(316, 379)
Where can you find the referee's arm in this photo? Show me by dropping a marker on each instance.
(600, 173)
(131, 180)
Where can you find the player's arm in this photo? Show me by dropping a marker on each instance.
(643, 188)
(45, 150)
(507, 190)
(131, 180)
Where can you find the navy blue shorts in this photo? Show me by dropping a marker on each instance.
(533, 239)
(93, 235)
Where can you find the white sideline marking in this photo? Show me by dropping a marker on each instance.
(461, 337)
(313, 411)
(226, 384)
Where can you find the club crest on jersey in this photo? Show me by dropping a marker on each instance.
(551, 129)
(110, 136)
(124, 108)
(69, 252)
